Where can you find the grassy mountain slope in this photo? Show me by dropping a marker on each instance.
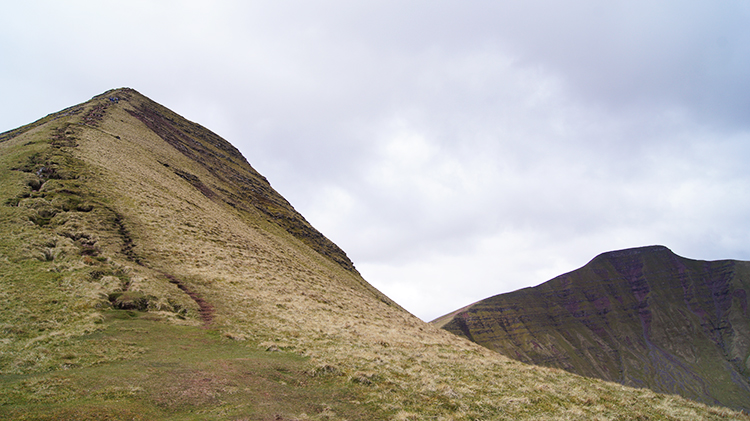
(642, 317)
(148, 272)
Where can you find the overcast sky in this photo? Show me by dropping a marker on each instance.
(454, 149)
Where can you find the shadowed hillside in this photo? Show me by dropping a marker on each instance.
(147, 271)
(642, 317)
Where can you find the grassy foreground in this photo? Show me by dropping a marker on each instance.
(140, 279)
(164, 371)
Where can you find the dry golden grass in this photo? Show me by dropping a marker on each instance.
(270, 291)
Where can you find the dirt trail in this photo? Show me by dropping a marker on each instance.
(206, 309)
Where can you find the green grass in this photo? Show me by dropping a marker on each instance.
(179, 373)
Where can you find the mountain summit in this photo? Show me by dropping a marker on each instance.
(147, 272)
(642, 317)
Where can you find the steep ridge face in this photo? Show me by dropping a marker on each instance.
(642, 317)
(147, 271)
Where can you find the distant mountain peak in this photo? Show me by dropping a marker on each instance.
(643, 317)
(635, 251)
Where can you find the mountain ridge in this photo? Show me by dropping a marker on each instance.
(643, 317)
(149, 273)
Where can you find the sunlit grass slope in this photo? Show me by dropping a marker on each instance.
(148, 272)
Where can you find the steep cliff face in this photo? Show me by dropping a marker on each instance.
(642, 317)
